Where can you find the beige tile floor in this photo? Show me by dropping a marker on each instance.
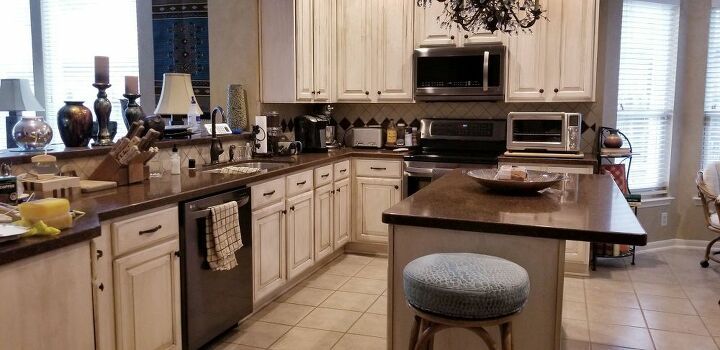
(666, 301)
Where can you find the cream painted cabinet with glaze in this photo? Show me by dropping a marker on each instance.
(430, 32)
(299, 230)
(147, 298)
(354, 51)
(342, 223)
(268, 225)
(324, 221)
(314, 53)
(557, 61)
(374, 195)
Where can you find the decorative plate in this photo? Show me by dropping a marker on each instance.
(10, 232)
(536, 181)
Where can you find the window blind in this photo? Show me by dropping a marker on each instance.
(16, 60)
(74, 32)
(711, 132)
(646, 91)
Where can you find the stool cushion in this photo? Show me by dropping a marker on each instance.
(468, 286)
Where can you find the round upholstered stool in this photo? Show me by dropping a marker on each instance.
(464, 290)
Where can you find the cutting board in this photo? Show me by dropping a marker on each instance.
(94, 185)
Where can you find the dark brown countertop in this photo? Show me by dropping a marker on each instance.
(585, 208)
(587, 159)
(156, 192)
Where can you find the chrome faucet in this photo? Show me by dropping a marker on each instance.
(216, 148)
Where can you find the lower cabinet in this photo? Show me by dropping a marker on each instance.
(342, 224)
(374, 195)
(268, 225)
(147, 298)
(324, 221)
(299, 226)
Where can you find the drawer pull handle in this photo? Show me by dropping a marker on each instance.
(343, 170)
(324, 175)
(269, 193)
(301, 183)
(375, 168)
(151, 230)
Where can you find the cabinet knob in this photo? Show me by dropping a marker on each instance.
(541, 91)
(367, 92)
(332, 192)
(397, 187)
(556, 90)
(338, 190)
(177, 253)
(292, 208)
(466, 36)
(101, 287)
(379, 92)
(312, 92)
(452, 37)
(99, 253)
(284, 212)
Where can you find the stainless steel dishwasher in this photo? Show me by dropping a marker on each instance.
(213, 301)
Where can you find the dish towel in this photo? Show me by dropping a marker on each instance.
(222, 236)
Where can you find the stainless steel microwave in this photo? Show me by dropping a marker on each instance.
(544, 131)
(460, 73)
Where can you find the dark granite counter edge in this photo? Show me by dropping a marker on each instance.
(517, 230)
(32, 246)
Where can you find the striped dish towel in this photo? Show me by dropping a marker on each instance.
(222, 236)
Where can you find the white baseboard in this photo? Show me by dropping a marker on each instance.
(672, 243)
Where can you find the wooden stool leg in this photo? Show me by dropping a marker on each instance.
(506, 335)
(414, 333)
(427, 331)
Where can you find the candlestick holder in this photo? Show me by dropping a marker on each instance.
(133, 111)
(102, 107)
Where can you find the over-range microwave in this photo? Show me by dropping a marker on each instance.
(460, 73)
(544, 131)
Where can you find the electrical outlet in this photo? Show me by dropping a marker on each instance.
(663, 219)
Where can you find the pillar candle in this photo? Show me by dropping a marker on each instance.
(102, 70)
(131, 85)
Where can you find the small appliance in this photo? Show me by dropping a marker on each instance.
(553, 132)
(460, 74)
(368, 137)
(310, 131)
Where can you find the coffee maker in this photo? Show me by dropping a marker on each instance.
(310, 131)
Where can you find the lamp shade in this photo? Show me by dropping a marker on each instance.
(177, 92)
(15, 95)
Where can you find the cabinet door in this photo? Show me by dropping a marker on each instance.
(147, 298)
(354, 59)
(323, 48)
(299, 225)
(268, 249)
(324, 221)
(481, 37)
(304, 51)
(429, 30)
(526, 71)
(394, 50)
(341, 213)
(572, 29)
(373, 197)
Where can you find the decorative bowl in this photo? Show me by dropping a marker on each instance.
(536, 181)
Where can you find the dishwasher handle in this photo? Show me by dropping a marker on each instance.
(196, 214)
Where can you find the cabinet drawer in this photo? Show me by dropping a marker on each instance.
(299, 182)
(140, 231)
(268, 192)
(378, 168)
(341, 169)
(323, 175)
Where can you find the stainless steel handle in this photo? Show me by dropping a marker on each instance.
(269, 193)
(486, 63)
(418, 171)
(151, 230)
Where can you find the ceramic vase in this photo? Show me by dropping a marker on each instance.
(237, 111)
(75, 123)
(613, 140)
(32, 133)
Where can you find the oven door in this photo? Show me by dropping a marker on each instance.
(540, 132)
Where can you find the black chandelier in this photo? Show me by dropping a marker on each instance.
(509, 16)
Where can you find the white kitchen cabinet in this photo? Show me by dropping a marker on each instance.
(342, 223)
(300, 234)
(429, 31)
(374, 46)
(324, 221)
(557, 61)
(374, 195)
(147, 298)
(268, 225)
(304, 52)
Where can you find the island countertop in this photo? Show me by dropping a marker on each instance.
(581, 208)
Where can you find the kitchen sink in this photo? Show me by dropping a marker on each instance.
(257, 164)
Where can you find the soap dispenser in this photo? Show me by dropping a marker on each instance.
(175, 161)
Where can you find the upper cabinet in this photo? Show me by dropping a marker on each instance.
(374, 50)
(557, 61)
(429, 31)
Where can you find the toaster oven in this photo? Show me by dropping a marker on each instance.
(544, 131)
(368, 137)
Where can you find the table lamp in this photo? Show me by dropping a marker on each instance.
(175, 98)
(16, 97)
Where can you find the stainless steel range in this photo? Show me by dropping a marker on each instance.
(447, 144)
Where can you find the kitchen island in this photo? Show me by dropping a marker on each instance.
(456, 214)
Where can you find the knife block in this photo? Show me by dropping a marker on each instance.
(111, 170)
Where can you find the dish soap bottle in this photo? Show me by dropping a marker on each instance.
(193, 116)
(391, 133)
(175, 161)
